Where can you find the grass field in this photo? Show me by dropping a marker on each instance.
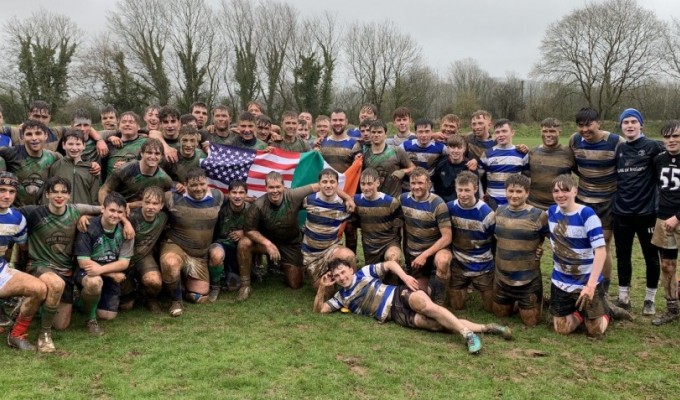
(273, 346)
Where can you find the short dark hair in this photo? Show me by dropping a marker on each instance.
(503, 121)
(40, 105)
(337, 263)
(195, 173)
(132, 114)
(238, 184)
(330, 172)
(371, 173)
(466, 177)
(108, 109)
(551, 122)
(378, 123)
(168, 111)
(81, 113)
(197, 104)
(184, 119)
(32, 123)
(518, 180)
(587, 115)
(152, 144)
(115, 198)
(52, 182)
(423, 122)
(564, 182)
(401, 112)
(670, 127)
(456, 141)
(73, 133)
(246, 116)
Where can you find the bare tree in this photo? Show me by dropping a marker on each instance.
(143, 28)
(378, 55)
(606, 49)
(238, 30)
(41, 50)
(472, 87)
(670, 60)
(276, 35)
(192, 38)
(327, 35)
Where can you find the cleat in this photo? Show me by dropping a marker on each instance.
(213, 293)
(93, 328)
(667, 317)
(625, 304)
(45, 343)
(154, 306)
(649, 308)
(233, 282)
(473, 343)
(244, 293)
(618, 313)
(176, 308)
(498, 329)
(19, 342)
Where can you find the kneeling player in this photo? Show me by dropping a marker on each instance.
(472, 223)
(577, 295)
(363, 293)
(103, 256)
(520, 231)
(12, 282)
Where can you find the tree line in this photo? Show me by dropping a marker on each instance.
(607, 55)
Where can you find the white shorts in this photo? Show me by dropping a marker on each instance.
(6, 275)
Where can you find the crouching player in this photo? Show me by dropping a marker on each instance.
(578, 245)
(148, 222)
(13, 282)
(520, 232)
(103, 256)
(364, 293)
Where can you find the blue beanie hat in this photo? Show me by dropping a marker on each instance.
(631, 112)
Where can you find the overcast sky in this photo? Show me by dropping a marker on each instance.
(502, 35)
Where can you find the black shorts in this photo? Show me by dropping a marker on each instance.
(401, 313)
(67, 294)
(291, 254)
(379, 256)
(426, 271)
(111, 292)
(564, 303)
(527, 296)
(458, 281)
(604, 212)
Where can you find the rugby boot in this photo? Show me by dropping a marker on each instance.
(672, 313)
(649, 307)
(213, 293)
(473, 343)
(176, 308)
(93, 328)
(45, 343)
(244, 292)
(617, 313)
(497, 329)
(20, 342)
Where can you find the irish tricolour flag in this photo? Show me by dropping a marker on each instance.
(227, 163)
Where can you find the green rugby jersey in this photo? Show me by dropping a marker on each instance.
(102, 246)
(229, 221)
(130, 182)
(32, 175)
(129, 152)
(146, 233)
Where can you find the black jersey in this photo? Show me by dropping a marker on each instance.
(636, 192)
(667, 168)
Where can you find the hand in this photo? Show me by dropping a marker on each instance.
(115, 141)
(439, 137)
(95, 168)
(179, 188)
(522, 148)
(585, 298)
(327, 280)
(171, 154)
(670, 224)
(235, 235)
(419, 262)
(102, 148)
(358, 156)
(349, 205)
(128, 230)
(268, 149)
(206, 147)
(275, 137)
(472, 165)
(539, 253)
(411, 283)
(398, 174)
(273, 252)
(83, 223)
(92, 269)
(210, 128)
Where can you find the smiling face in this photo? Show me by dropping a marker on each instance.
(480, 126)
(456, 154)
(589, 131)
(516, 195)
(197, 188)
(275, 191)
(565, 199)
(631, 128)
(369, 187)
(128, 126)
(420, 187)
(151, 157)
(423, 134)
(449, 128)
(343, 275)
(403, 124)
(151, 118)
(329, 186)
(74, 147)
(34, 139)
(550, 135)
(323, 127)
(109, 120)
(170, 127)
(7, 195)
(290, 126)
(672, 142)
(188, 144)
(466, 195)
(112, 214)
(237, 197)
(338, 123)
(246, 129)
(503, 135)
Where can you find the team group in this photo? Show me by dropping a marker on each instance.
(100, 219)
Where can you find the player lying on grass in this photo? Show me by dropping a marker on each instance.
(364, 293)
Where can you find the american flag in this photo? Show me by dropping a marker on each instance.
(227, 164)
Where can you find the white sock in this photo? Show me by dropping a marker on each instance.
(623, 293)
(650, 294)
